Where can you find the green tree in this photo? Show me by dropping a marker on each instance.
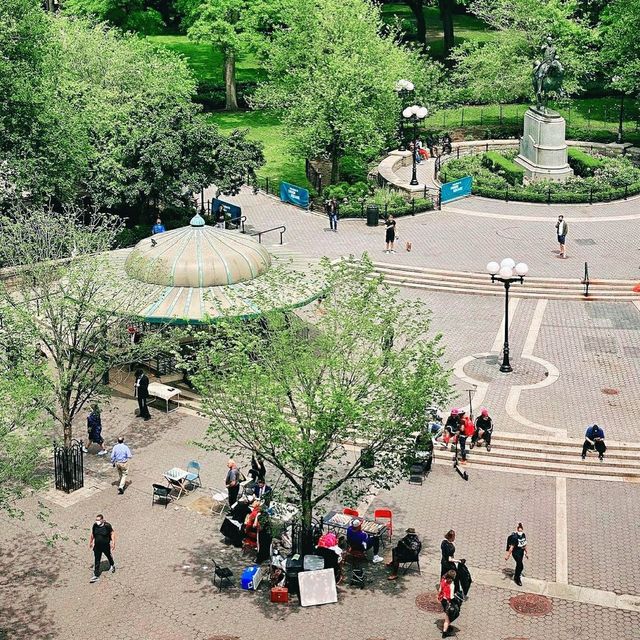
(309, 394)
(24, 426)
(130, 15)
(621, 44)
(67, 295)
(348, 102)
(507, 61)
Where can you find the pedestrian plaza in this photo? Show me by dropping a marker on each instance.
(575, 362)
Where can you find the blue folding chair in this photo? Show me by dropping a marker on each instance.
(193, 476)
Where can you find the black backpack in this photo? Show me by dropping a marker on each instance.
(512, 541)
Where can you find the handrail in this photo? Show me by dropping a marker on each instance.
(282, 229)
(585, 280)
(241, 222)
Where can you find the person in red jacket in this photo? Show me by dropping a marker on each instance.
(466, 431)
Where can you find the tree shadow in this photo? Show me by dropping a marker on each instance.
(204, 553)
(27, 571)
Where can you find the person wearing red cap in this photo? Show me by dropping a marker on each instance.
(484, 429)
(451, 427)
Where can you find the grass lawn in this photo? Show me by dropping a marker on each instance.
(266, 128)
(465, 27)
(206, 61)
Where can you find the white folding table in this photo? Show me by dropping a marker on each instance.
(165, 393)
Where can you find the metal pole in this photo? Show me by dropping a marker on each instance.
(414, 178)
(505, 367)
(621, 118)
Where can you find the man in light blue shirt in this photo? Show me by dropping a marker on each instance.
(120, 456)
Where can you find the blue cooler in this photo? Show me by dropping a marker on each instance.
(251, 578)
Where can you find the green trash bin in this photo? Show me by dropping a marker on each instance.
(373, 215)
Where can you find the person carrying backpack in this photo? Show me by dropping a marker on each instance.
(450, 602)
(517, 549)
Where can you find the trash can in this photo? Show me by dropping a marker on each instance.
(373, 215)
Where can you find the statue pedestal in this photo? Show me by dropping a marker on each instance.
(543, 150)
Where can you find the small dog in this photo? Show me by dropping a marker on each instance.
(408, 246)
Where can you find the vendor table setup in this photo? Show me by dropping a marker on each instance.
(166, 393)
(336, 521)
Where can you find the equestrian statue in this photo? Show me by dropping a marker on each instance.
(547, 75)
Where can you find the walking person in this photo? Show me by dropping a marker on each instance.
(517, 549)
(483, 430)
(94, 430)
(232, 482)
(390, 234)
(102, 540)
(562, 229)
(120, 456)
(448, 549)
(334, 213)
(449, 603)
(594, 439)
(141, 392)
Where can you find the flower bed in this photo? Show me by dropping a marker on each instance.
(612, 178)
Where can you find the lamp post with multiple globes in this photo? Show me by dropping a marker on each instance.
(507, 272)
(404, 88)
(415, 113)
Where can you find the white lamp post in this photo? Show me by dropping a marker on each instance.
(415, 113)
(507, 272)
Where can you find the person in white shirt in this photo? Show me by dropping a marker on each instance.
(561, 229)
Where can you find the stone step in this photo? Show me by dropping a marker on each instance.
(558, 450)
(485, 277)
(578, 468)
(552, 457)
(484, 281)
(552, 441)
(496, 291)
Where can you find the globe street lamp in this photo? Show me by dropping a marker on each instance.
(507, 272)
(415, 113)
(404, 89)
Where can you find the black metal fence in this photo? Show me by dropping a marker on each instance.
(313, 176)
(68, 465)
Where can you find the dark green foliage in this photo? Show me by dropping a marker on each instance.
(353, 169)
(582, 163)
(212, 95)
(504, 167)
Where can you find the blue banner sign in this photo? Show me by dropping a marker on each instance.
(231, 210)
(456, 189)
(294, 195)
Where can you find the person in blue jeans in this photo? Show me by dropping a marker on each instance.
(594, 439)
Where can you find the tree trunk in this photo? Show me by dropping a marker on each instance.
(230, 80)
(306, 539)
(417, 8)
(334, 156)
(446, 15)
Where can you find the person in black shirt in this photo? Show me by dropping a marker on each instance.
(142, 393)
(484, 430)
(390, 233)
(102, 540)
(407, 550)
(447, 562)
(517, 549)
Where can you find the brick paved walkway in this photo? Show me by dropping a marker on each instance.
(162, 588)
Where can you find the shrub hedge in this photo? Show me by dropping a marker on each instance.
(359, 209)
(582, 163)
(509, 170)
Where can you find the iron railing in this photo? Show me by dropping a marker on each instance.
(68, 463)
(585, 280)
(281, 228)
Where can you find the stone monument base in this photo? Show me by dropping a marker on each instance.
(543, 150)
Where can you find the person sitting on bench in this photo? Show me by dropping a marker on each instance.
(407, 550)
(359, 541)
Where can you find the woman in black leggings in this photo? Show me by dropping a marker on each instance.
(517, 549)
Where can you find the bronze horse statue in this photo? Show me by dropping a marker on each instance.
(547, 75)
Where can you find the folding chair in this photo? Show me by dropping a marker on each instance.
(405, 566)
(350, 512)
(161, 493)
(223, 574)
(387, 515)
(192, 478)
(219, 502)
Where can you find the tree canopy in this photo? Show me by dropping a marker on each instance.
(332, 75)
(500, 70)
(308, 392)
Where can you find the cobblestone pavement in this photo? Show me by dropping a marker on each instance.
(162, 587)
